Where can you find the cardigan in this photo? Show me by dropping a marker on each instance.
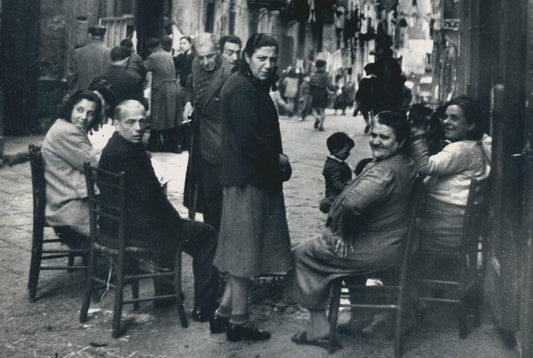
(251, 138)
(65, 149)
(451, 170)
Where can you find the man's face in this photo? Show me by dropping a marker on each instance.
(207, 55)
(132, 122)
(231, 53)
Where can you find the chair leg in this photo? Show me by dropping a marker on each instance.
(35, 266)
(71, 259)
(119, 295)
(334, 312)
(89, 288)
(135, 293)
(398, 333)
(462, 320)
(178, 289)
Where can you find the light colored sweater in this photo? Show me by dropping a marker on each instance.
(450, 171)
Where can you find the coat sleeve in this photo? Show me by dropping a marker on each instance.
(75, 149)
(450, 160)
(246, 108)
(335, 176)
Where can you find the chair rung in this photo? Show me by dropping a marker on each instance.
(446, 300)
(74, 251)
(55, 257)
(107, 215)
(49, 241)
(373, 287)
(439, 282)
(63, 267)
(361, 305)
(153, 298)
(149, 275)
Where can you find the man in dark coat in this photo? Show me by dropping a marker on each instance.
(125, 84)
(319, 85)
(89, 61)
(152, 221)
(203, 188)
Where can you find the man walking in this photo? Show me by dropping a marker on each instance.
(203, 189)
(89, 61)
(319, 84)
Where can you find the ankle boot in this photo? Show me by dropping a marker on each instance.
(246, 332)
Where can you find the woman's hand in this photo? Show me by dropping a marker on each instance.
(341, 247)
(285, 167)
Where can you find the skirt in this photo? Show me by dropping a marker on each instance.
(254, 237)
(440, 227)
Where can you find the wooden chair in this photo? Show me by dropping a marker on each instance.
(126, 261)
(469, 283)
(40, 249)
(395, 294)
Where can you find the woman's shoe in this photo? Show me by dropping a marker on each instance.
(218, 324)
(246, 332)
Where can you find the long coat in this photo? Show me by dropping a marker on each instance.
(65, 149)
(87, 63)
(207, 129)
(166, 109)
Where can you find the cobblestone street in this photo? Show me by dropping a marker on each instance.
(50, 326)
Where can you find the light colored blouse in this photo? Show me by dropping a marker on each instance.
(450, 171)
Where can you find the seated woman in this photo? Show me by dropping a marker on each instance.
(65, 149)
(366, 225)
(449, 173)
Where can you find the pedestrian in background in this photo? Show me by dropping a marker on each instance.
(89, 61)
(183, 61)
(165, 98)
(135, 62)
(319, 87)
(304, 99)
(254, 236)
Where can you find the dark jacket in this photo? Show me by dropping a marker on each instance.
(251, 138)
(125, 84)
(337, 175)
(319, 84)
(151, 218)
(183, 65)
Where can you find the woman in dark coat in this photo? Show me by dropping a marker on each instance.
(253, 237)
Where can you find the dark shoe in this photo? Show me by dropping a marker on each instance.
(321, 128)
(248, 332)
(367, 128)
(317, 122)
(301, 338)
(218, 324)
(199, 315)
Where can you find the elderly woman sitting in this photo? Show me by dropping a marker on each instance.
(65, 149)
(449, 174)
(366, 227)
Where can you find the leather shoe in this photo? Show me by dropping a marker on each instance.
(199, 315)
(248, 332)
(218, 324)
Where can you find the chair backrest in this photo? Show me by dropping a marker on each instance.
(476, 213)
(113, 212)
(38, 188)
(416, 199)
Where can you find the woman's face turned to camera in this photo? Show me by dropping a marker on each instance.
(383, 142)
(263, 61)
(83, 114)
(455, 124)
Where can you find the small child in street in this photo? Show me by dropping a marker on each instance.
(337, 172)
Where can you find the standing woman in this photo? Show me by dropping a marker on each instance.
(165, 97)
(254, 237)
(65, 149)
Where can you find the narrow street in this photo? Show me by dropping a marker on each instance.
(50, 326)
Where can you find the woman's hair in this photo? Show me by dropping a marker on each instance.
(257, 41)
(397, 121)
(78, 96)
(103, 87)
(188, 38)
(470, 111)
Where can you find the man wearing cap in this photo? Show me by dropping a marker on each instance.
(319, 84)
(125, 84)
(89, 61)
(203, 188)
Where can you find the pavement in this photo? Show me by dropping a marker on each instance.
(50, 326)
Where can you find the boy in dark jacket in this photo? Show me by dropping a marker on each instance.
(337, 172)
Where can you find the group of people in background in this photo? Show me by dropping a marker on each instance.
(237, 168)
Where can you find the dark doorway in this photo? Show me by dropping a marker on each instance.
(19, 37)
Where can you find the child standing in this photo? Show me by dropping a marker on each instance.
(337, 172)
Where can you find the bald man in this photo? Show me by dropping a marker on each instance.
(152, 220)
(203, 188)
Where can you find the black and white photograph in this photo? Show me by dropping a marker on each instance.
(266, 178)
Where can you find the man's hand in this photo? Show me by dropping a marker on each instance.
(188, 111)
(342, 248)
